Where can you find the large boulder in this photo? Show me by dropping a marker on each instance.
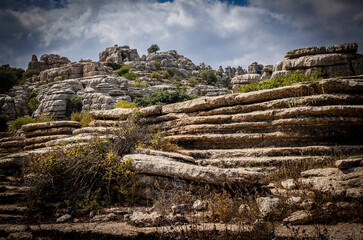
(305, 51)
(7, 106)
(255, 68)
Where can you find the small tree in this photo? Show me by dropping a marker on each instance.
(153, 48)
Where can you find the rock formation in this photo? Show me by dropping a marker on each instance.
(47, 61)
(119, 54)
(337, 60)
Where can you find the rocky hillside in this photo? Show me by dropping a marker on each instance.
(281, 163)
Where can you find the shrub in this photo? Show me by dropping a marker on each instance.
(155, 75)
(130, 76)
(170, 73)
(74, 104)
(123, 70)
(45, 118)
(218, 73)
(280, 81)
(160, 97)
(193, 81)
(59, 78)
(10, 77)
(153, 48)
(33, 104)
(158, 142)
(83, 176)
(30, 73)
(32, 94)
(209, 76)
(4, 122)
(19, 122)
(157, 65)
(125, 104)
(113, 65)
(83, 117)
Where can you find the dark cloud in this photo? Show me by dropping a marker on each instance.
(215, 32)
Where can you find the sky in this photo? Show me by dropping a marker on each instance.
(216, 32)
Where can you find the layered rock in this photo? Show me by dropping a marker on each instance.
(244, 79)
(74, 70)
(171, 59)
(7, 106)
(337, 60)
(21, 98)
(119, 54)
(47, 61)
(38, 134)
(255, 68)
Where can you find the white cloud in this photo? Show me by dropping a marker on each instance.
(209, 31)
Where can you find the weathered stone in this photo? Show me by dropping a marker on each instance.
(348, 163)
(320, 60)
(305, 51)
(164, 166)
(7, 106)
(268, 206)
(50, 131)
(288, 184)
(299, 217)
(144, 219)
(52, 124)
(117, 113)
(199, 205)
(343, 48)
(119, 54)
(64, 218)
(150, 111)
(164, 154)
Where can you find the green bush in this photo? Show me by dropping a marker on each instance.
(170, 73)
(74, 104)
(162, 97)
(19, 122)
(218, 73)
(157, 65)
(33, 104)
(113, 65)
(82, 117)
(123, 70)
(4, 122)
(130, 76)
(209, 76)
(30, 73)
(194, 82)
(125, 104)
(280, 81)
(59, 78)
(32, 94)
(155, 75)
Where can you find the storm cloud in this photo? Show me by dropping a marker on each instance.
(215, 32)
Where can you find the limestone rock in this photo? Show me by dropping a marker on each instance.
(21, 97)
(74, 70)
(64, 218)
(299, 217)
(116, 114)
(343, 48)
(268, 205)
(141, 219)
(305, 51)
(348, 163)
(119, 54)
(180, 209)
(288, 184)
(47, 61)
(7, 106)
(255, 68)
(52, 124)
(319, 60)
(164, 166)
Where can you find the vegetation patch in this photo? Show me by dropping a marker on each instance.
(280, 81)
(160, 97)
(83, 117)
(113, 65)
(19, 122)
(123, 70)
(125, 104)
(209, 76)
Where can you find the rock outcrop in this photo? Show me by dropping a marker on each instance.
(119, 54)
(74, 70)
(337, 60)
(7, 106)
(47, 61)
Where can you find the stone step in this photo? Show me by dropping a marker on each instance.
(10, 197)
(12, 209)
(259, 161)
(278, 151)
